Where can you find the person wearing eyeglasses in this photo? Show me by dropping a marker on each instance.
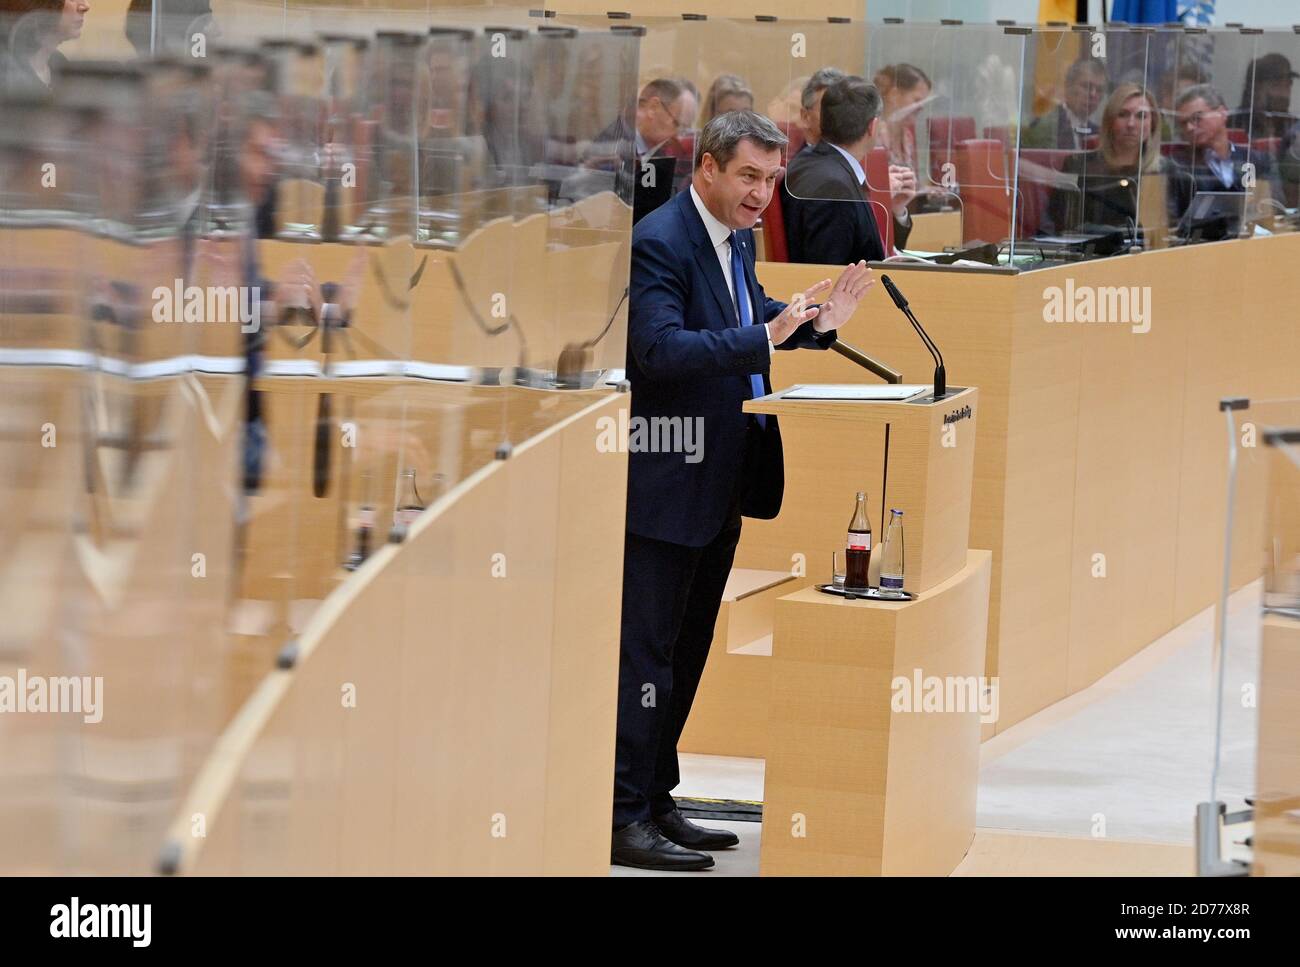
(1072, 124)
(664, 108)
(1210, 161)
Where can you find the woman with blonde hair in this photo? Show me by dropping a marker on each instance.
(1108, 178)
(1130, 130)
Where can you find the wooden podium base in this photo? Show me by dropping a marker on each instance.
(874, 730)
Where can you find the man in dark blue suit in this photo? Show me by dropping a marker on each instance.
(701, 333)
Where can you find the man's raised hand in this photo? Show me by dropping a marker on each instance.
(799, 311)
(851, 286)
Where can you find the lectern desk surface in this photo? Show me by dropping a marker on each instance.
(872, 407)
(854, 391)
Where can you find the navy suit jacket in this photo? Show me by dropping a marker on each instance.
(688, 357)
(827, 218)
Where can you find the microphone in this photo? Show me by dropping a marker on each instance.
(940, 374)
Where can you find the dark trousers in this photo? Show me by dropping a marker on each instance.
(671, 597)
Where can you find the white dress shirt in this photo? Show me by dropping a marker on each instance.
(1221, 166)
(720, 236)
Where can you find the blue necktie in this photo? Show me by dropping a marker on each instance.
(741, 292)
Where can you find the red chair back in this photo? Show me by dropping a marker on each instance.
(986, 202)
(795, 133)
(999, 132)
(1268, 146)
(946, 133)
(778, 250)
(1033, 190)
(876, 167)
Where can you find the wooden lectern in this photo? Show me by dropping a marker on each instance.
(914, 456)
(870, 770)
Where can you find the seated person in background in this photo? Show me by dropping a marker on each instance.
(902, 87)
(1108, 178)
(902, 180)
(1072, 123)
(1265, 110)
(810, 103)
(1210, 162)
(1170, 86)
(1288, 167)
(827, 218)
(784, 108)
(30, 34)
(664, 108)
(727, 93)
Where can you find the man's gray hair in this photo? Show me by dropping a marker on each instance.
(820, 80)
(722, 134)
(1212, 98)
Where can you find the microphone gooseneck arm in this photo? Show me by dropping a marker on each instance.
(940, 372)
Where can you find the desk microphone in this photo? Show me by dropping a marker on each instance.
(940, 375)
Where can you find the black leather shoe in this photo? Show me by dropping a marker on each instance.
(644, 847)
(683, 832)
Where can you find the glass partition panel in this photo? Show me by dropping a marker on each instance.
(944, 99)
(1087, 160)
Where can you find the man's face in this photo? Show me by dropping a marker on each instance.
(738, 194)
(1084, 93)
(1202, 123)
(657, 121)
(810, 118)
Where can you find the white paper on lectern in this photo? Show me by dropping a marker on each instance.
(855, 391)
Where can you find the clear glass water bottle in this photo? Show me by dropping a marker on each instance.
(891, 554)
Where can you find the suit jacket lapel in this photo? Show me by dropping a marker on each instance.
(842, 161)
(706, 255)
(865, 216)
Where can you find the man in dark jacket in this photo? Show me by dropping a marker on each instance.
(701, 333)
(827, 218)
